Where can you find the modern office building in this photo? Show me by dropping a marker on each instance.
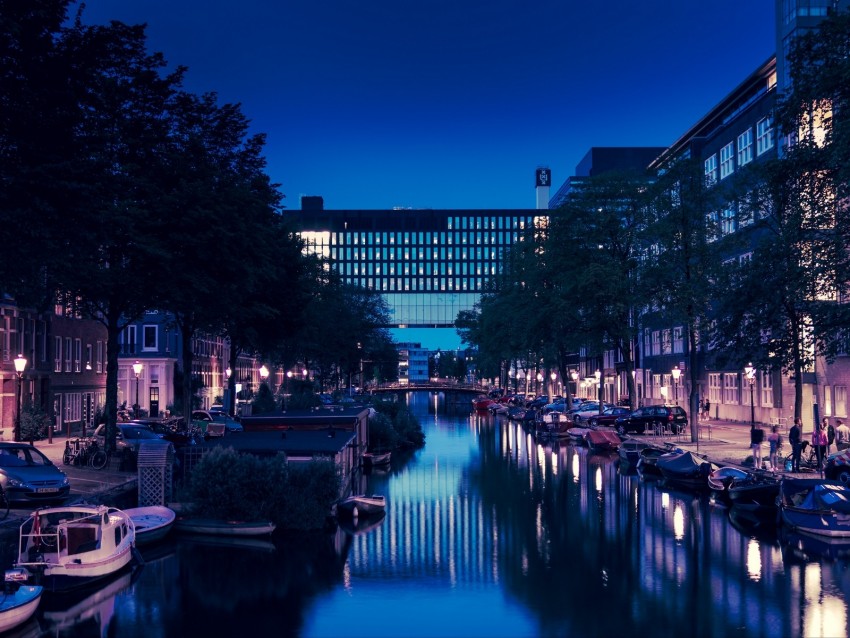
(412, 363)
(428, 264)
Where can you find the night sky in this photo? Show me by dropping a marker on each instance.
(452, 103)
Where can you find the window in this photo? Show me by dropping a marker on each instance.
(129, 340)
(714, 387)
(841, 400)
(745, 147)
(678, 341)
(711, 170)
(766, 389)
(764, 136)
(69, 354)
(88, 356)
(827, 400)
(666, 343)
(727, 221)
(656, 342)
(78, 354)
(730, 388)
(727, 160)
(99, 363)
(57, 354)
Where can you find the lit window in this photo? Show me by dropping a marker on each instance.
(711, 170)
(727, 160)
(745, 147)
(764, 136)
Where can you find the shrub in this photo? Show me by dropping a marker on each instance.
(229, 485)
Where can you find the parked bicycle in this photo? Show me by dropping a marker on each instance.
(85, 452)
(808, 458)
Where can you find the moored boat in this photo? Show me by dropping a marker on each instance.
(648, 462)
(686, 469)
(152, 523)
(19, 600)
(218, 527)
(602, 440)
(74, 545)
(481, 402)
(815, 506)
(757, 492)
(361, 504)
(720, 479)
(629, 451)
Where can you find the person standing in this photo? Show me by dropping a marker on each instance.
(775, 441)
(830, 436)
(819, 441)
(706, 409)
(756, 438)
(842, 436)
(795, 438)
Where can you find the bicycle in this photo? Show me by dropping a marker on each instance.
(81, 452)
(808, 458)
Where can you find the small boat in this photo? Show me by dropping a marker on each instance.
(629, 451)
(360, 504)
(602, 440)
(152, 523)
(757, 492)
(481, 403)
(377, 457)
(72, 546)
(815, 506)
(648, 462)
(356, 525)
(218, 527)
(19, 600)
(720, 479)
(577, 434)
(685, 469)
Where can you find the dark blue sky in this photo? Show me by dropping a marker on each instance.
(453, 103)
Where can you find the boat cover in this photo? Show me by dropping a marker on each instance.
(828, 496)
(684, 464)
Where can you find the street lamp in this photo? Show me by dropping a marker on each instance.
(137, 370)
(574, 377)
(539, 381)
(750, 372)
(676, 373)
(264, 372)
(598, 376)
(20, 365)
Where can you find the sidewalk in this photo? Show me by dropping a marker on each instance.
(724, 443)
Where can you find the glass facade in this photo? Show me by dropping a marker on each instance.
(429, 265)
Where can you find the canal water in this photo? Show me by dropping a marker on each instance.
(488, 533)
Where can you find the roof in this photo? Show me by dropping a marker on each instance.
(320, 418)
(294, 443)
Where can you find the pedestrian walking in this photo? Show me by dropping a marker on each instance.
(795, 438)
(842, 436)
(775, 441)
(819, 441)
(706, 409)
(756, 438)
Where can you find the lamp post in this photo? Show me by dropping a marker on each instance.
(227, 373)
(676, 373)
(264, 373)
(574, 377)
(553, 375)
(539, 381)
(750, 372)
(598, 376)
(20, 365)
(137, 370)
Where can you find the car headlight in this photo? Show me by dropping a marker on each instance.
(65, 481)
(13, 482)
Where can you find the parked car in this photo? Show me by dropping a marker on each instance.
(582, 413)
(667, 418)
(173, 430)
(129, 436)
(609, 416)
(230, 425)
(837, 467)
(28, 475)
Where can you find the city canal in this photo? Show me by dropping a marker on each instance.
(488, 533)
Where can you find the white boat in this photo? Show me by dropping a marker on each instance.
(74, 545)
(217, 527)
(19, 600)
(152, 523)
(363, 505)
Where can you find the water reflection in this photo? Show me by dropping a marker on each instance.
(489, 532)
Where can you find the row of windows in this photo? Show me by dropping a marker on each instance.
(659, 342)
(69, 358)
(740, 153)
(791, 9)
(428, 269)
(416, 239)
(418, 284)
(485, 223)
(727, 388)
(420, 254)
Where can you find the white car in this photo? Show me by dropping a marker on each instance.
(587, 411)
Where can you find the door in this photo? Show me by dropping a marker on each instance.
(153, 402)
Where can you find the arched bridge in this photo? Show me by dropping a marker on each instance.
(432, 386)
